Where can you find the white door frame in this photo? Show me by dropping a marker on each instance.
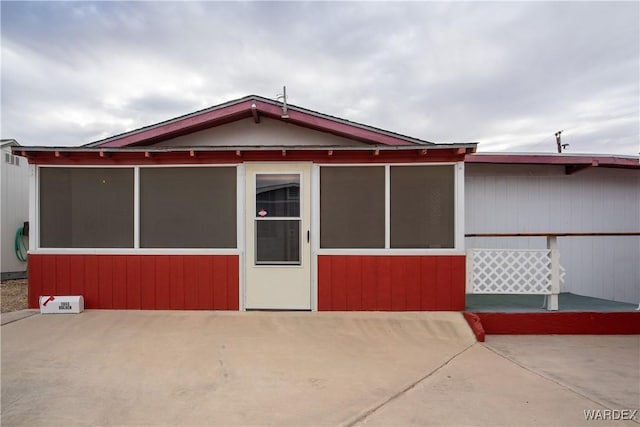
(307, 260)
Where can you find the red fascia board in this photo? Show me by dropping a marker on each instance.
(543, 159)
(93, 158)
(242, 110)
(182, 126)
(332, 126)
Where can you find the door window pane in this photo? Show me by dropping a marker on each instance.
(352, 207)
(277, 195)
(86, 207)
(192, 207)
(277, 242)
(422, 206)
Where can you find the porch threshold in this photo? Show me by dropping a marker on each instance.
(524, 315)
(567, 302)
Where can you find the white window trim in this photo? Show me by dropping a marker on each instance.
(34, 216)
(458, 248)
(298, 218)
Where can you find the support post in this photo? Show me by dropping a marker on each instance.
(469, 271)
(552, 245)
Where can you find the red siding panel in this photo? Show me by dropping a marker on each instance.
(354, 279)
(119, 282)
(91, 290)
(190, 281)
(62, 275)
(163, 283)
(399, 284)
(391, 283)
(138, 281)
(76, 272)
(148, 282)
(233, 283)
(412, 278)
(105, 281)
(369, 282)
(429, 283)
(339, 278)
(220, 282)
(176, 283)
(324, 276)
(204, 291)
(35, 281)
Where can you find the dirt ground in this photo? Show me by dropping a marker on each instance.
(13, 295)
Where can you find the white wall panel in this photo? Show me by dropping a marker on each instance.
(14, 201)
(542, 199)
(268, 132)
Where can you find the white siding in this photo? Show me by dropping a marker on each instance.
(542, 199)
(266, 133)
(14, 201)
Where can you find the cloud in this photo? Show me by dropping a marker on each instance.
(505, 74)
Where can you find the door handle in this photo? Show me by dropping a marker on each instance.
(308, 235)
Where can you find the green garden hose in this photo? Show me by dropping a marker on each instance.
(19, 245)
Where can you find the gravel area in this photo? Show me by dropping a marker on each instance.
(13, 295)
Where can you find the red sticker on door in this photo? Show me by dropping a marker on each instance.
(262, 212)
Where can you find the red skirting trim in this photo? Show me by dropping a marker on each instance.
(475, 324)
(567, 323)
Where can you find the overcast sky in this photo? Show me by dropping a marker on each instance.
(506, 75)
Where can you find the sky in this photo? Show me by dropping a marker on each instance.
(507, 75)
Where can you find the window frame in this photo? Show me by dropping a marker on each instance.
(34, 215)
(458, 228)
(255, 218)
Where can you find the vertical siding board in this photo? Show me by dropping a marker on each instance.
(163, 282)
(413, 280)
(220, 278)
(354, 283)
(34, 288)
(176, 282)
(120, 282)
(458, 285)
(233, 282)
(324, 283)
(133, 283)
(339, 284)
(443, 283)
(63, 284)
(369, 283)
(148, 282)
(105, 281)
(384, 283)
(76, 275)
(428, 283)
(399, 283)
(91, 283)
(49, 283)
(204, 283)
(191, 283)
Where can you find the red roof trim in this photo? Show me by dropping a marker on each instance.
(93, 157)
(237, 110)
(551, 159)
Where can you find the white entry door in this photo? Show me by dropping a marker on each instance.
(278, 254)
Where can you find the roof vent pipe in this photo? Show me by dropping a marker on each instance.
(283, 96)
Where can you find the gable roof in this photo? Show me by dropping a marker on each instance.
(255, 106)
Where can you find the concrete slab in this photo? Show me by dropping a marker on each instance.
(216, 368)
(14, 316)
(605, 368)
(482, 388)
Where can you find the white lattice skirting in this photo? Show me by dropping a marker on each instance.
(510, 271)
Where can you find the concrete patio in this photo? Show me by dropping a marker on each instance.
(281, 368)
